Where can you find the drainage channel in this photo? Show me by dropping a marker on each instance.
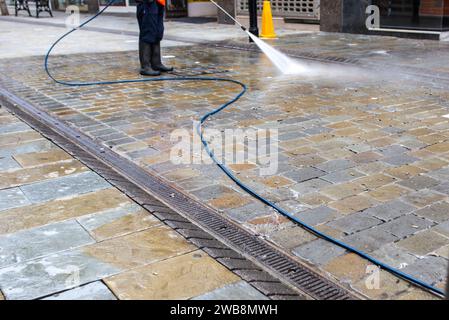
(268, 269)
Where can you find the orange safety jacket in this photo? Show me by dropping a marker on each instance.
(161, 2)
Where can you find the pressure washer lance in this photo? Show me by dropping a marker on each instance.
(227, 13)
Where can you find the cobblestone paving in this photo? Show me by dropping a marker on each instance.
(65, 233)
(362, 156)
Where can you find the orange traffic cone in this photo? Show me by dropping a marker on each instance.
(267, 21)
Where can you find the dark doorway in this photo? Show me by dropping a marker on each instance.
(429, 15)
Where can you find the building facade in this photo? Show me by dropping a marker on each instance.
(420, 17)
(333, 15)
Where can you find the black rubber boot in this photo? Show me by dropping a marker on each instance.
(145, 60)
(156, 59)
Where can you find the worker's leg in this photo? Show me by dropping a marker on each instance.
(145, 61)
(156, 58)
(146, 37)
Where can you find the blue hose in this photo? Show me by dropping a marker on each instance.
(223, 167)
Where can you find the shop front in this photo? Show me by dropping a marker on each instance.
(432, 15)
(175, 8)
(422, 19)
(62, 5)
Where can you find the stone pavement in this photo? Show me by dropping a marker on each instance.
(65, 233)
(28, 43)
(363, 155)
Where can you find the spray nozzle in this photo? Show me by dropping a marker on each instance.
(243, 28)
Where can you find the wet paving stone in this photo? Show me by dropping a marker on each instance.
(442, 188)
(41, 158)
(157, 281)
(234, 291)
(349, 267)
(336, 165)
(388, 193)
(310, 186)
(353, 204)
(342, 190)
(442, 174)
(432, 164)
(65, 186)
(26, 147)
(14, 127)
(212, 192)
(437, 212)
(318, 252)
(375, 181)
(424, 242)
(72, 268)
(195, 183)
(8, 163)
(405, 225)
(423, 198)
(393, 150)
(230, 201)
(12, 198)
(318, 215)
(342, 176)
(25, 245)
(442, 228)
(369, 240)
(37, 174)
(430, 269)
(293, 206)
(42, 277)
(419, 182)
(136, 249)
(390, 210)
(92, 291)
(390, 288)
(120, 221)
(355, 222)
(395, 256)
(291, 135)
(29, 216)
(443, 252)
(405, 172)
(304, 174)
(399, 160)
(291, 237)
(182, 174)
(249, 211)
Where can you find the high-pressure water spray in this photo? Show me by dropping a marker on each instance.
(285, 64)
